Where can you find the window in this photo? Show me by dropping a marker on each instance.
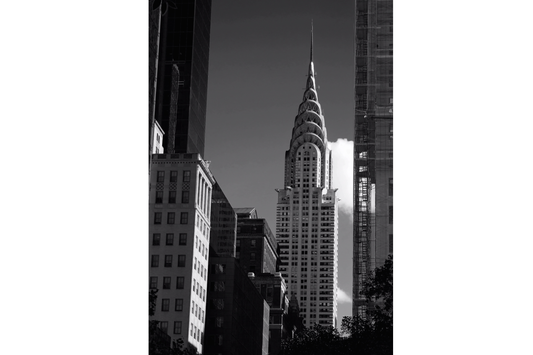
(186, 176)
(179, 304)
(183, 238)
(155, 261)
(219, 268)
(390, 243)
(168, 260)
(177, 327)
(170, 238)
(160, 176)
(165, 302)
(252, 256)
(185, 197)
(172, 197)
(171, 216)
(166, 283)
(390, 214)
(153, 282)
(156, 239)
(157, 217)
(174, 176)
(181, 260)
(390, 187)
(252, 243)
(184, 218)
(180, 282)
(159, 197)
(163, 326)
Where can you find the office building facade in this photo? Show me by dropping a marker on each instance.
(373, 167)
(307, 214)
(179, 227)
(179, 63)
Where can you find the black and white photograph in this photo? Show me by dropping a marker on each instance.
(224, 177)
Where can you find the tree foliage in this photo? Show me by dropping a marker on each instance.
(317, 340)
(159, 342)
(370, 335)
(373, 334)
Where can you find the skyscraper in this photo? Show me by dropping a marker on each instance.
(179, 62)
(373, 142)
(307, 215)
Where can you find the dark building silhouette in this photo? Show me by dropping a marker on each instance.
(373, 206)
(256, 245)
(274, 291)
(223, 224)
(179, 62)
(237, 315)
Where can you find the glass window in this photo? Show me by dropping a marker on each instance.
(155, 261)
(153, 282)
(159, 197)
(156, 239)
(168, 260)
(172, 197)
(166, 283)
(186, 176)
(173, 176)
(183, 238)
(157, 217)
(185, 197)
(160, 176)
(179, 304)
(184, 218)
(177, 327)
(163, 326)
(171, 217)
(181, 260)
(180, 282)
(165, 302)
(170, 238)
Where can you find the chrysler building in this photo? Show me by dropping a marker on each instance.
(307, 215)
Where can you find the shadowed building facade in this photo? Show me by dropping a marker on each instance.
(373, 204)
(179, 61)
(256, 245)
(237, 314)
(307, 214)
(223, 224)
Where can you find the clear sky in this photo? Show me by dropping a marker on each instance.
(259, 56)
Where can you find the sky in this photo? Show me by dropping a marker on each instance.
(258, 62)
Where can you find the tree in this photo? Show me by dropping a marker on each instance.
(317, 340)
(373, 334)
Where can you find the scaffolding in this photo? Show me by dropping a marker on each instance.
(373, 23)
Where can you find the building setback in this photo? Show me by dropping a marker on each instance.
(179, 227)
(307, 215)
(373, 207)
(256, 245)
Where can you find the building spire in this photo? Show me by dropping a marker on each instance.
(311, 58)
